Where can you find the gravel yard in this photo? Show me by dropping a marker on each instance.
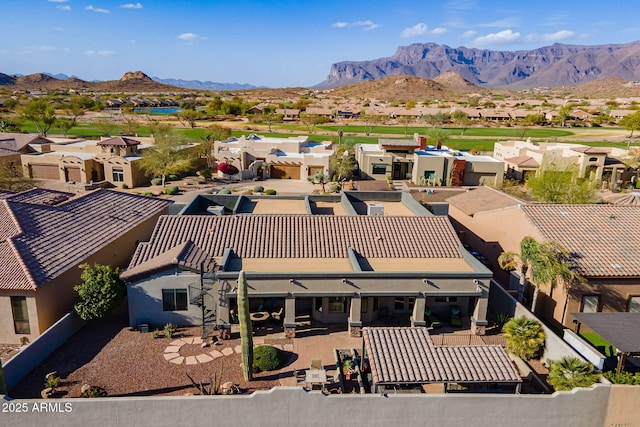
(108, 354)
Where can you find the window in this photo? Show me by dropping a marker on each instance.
(337, 304)
(318, 304)
(633, 305)
(174, 300)
(590, 303)
(593, 159)
(118, 175)
(430, 174)
(20, 315)
(379, 170)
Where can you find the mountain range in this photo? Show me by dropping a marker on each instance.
(550, 66)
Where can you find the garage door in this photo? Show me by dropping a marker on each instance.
(73, 174)
(475, 178)
(285, 171)
(45, 172)
(314, 169)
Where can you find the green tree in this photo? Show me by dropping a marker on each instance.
(560, 184)
(13, 179)
(525, 337)
(435, 136)
(189, 117)
(65, 125)
(167, 156)
(41, 114)
(534, 119)
(312, 120)
(269, 116)
(570, 372)
(564, 113)
(106, 127)
(547, 263)
(320, 178)
(370, 121)
(246, 331)
(631, 122)
(206, 147)
(406, 121)
(460, 119)
(101, 291)
(341, 164)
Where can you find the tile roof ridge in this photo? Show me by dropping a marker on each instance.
(12, 215)
(23, 265)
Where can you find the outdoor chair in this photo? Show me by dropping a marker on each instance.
(456, 316)
(277, 315)
(432, 319)
(316, 364)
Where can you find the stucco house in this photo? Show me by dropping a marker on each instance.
(526, 157)
(46, 235)
(334, 263)
(413, 159)
(14, 145)
(284, 158)
(603, 241)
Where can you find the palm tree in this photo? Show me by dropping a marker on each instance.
(570, 372)
(547, 263)
(524, 336)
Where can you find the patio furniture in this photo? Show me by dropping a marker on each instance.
(456, 316)
(432, 319)
(259, 316)
(316, 378)
(316, 365)
(277, 315)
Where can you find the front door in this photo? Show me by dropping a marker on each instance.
(397, 170)
(403, 304)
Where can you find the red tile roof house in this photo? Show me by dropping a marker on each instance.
(352, 268)
(46, 235)
(604, 242)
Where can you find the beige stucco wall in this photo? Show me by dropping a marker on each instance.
(438, 164)
(50, 302)
(623, 409)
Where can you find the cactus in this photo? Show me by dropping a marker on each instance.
(246, 331)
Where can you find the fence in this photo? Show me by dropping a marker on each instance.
(33, 354)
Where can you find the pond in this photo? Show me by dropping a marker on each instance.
(159, 110)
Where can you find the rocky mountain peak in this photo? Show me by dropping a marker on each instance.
(135, 75)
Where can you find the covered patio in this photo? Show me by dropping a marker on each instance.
(407, 360)
(619, 329)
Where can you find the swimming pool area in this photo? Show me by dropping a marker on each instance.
(159, 110)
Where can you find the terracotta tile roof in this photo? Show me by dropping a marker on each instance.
(407, 355)
(40, 196)
(591, 150)
(120, 141)
(482, 199)
(305, 236)
(186, 254)
(40, 242)
(603, 239)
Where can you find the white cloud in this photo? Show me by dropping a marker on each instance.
(97, 9)
(45, 48)
(549, 38)
(368, 25)
(417, 30)
(100, 52)
(131, 6)
(438, 31)
(461, 5)
(502, 23)
(58, 28)
(469, 34)
(506, 36)
(190, 38)
(65, 7)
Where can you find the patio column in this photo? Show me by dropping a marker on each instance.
(417, 317)
(479, 318)
(355, 321)
(290, 316)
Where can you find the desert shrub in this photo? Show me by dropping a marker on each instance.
(335, 188)
(156, 181)
(172, 177)
(171, 190)
(623, 377)
(258, 189)
(227, 168)
(224, 191)
(125, 186)
(93, 391)
(571, 372)
(148, 194)
(268, 358)
(270, 192)
(52, 380)
(525, 337)
(501, 320)
(206, 173)
(169, 330)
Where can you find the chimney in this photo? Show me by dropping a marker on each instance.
(423, 142)
(439, 145)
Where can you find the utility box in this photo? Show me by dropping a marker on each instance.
(375, 209)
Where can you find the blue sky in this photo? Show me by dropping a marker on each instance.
(281, 43)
